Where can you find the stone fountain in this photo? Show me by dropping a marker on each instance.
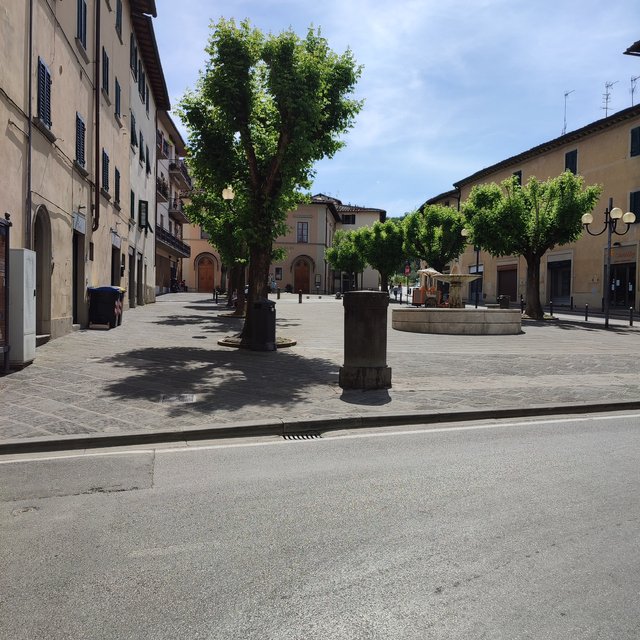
(455, 318)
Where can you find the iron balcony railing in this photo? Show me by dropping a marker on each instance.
(179, 168)
(174, 243)
(176, 210)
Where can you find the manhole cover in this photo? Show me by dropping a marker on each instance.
(181, 398)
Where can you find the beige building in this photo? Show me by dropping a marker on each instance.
(66, 153)
(605, 152)
(172, 182)
(312, 227)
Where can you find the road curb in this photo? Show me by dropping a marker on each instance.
(284, 428)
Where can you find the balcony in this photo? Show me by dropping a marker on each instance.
(176, 211)
(162, 190)
(178, 172)
(171, 243)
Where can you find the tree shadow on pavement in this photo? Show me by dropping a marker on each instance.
(569, 325)
(220, 379)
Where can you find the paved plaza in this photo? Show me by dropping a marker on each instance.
(162, 371)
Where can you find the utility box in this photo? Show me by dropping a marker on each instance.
(22, 307)
(263, 330)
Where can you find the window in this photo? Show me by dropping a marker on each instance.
(518, 176)
(203, 234)
(44, 94)
(141, 146)
(143, 214)
(116, 186)
(133, 56)
(146, 158)
(132, 210)
(105, 71)
(635, 142)
(119, 18)
(80, 138)
(571, 161)
(278, 273)
(147, 99)
(161, 221)
(134, 135)
(105, 171)
(118, 98)
(348, 218)
(634, 204)
(81, 28)
(303, 232)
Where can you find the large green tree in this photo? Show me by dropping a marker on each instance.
(345, 255)
(381, 247)
(528, 221)
(434, 234)
(266, 108)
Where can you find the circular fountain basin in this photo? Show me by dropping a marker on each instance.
(470, 322)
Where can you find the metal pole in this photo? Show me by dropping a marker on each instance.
(299, 296)
(631, 316)
(477, 271)
(586, 312)
(551, 308)
(607, 292)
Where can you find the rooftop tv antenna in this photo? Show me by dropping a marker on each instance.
(566, 93)
(634, 79)
(606, 96)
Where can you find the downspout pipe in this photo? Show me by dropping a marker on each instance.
(96, 88)
(28, 203)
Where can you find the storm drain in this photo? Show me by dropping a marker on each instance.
(181, 398)
(307, 435)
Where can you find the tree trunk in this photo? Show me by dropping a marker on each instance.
(259, 263)
(384, 282)
(239, 283)
(231, 283)
(534, 307)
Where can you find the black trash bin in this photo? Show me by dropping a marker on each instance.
(105, 306)
(504, 301)
(263, 330)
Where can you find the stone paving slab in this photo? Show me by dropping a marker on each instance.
(162, 369)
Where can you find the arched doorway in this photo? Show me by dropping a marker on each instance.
(301, 275)
(205, 273)
(42, 247)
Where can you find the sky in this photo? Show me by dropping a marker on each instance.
(449, 86)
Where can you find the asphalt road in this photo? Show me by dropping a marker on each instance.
(490, 530)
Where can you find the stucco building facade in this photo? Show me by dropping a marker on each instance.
(605, 152)
(70, 182)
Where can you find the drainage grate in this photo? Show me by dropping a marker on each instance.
(306, 435)
(182, 398)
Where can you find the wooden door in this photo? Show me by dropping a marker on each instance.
(301, 276)
(206, 273)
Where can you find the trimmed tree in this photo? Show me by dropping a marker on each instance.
(266, 108)
(434, 235)
(528, 221)
(345, 255)
(381, 247)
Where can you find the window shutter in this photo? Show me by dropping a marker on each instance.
(105, 170)
(634, 204)
(42, 90)
(635, 141)
(134, 135)
(141, 146)
(80, 140)
(118, 92)
(147, 159)
(116, 185)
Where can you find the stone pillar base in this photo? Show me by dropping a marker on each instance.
(365, 377)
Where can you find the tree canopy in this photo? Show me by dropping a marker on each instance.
(265, 109)
(434, 234)
(529, 220)
(381, 247)
(345, 255)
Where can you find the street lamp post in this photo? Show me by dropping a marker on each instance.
(612, 215)
(476, 248)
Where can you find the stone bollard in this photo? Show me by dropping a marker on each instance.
(365, 341)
